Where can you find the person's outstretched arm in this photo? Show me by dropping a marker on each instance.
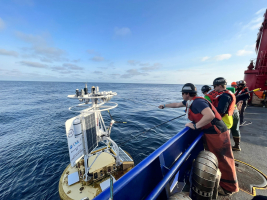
(172, 105)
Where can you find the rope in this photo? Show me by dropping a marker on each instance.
(126, 141)
(141, 103)
(246, 123)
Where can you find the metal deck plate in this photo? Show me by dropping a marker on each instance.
(124, 157)
(249, 178)
(73, 178)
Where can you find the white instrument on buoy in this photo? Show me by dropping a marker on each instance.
(86, 130)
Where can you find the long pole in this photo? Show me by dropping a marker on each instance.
(111, 187)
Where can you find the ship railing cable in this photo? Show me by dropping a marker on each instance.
(122, 143)
(141, 102)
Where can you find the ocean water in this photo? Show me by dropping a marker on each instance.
(33, 143)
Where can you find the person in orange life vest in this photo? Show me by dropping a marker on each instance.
(242, 89)
(206, 90)
(209, 94)
(205, 117)
(224, 102)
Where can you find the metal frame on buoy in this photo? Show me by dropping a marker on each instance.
(86, 130)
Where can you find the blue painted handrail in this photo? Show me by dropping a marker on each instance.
(147, 177)
(155, 193)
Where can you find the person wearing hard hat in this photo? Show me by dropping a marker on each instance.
(205, 117)
(234, 85)
(244, 98)
(237, 89)
(224, 102)
(210, 95)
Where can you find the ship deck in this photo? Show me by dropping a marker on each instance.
(253, 152)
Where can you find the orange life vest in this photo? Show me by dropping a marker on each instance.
(236, 92)
(212, 94)
(240, 92)
(231, 108)
(197, 117)
(220, 145)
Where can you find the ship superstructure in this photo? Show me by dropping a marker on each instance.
(256, 76)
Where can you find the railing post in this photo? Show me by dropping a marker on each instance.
(158, 189)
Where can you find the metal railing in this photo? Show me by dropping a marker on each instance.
(149, 178)
(167, 178)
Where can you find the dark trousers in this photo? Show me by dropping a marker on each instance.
(235, 128)
(244, 106)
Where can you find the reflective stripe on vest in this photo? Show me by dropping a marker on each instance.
(212, 94)
(243, 90)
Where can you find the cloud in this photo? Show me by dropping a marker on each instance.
(97, 58)
(98, 72)
(111, 64)
(8, 53)
(43, 59)
(133, 62)
(40, 47)
(122, 31)
(32, 39)
(248, 49)
(91, 51)
(49, 52)
(243, 52)
(66, 68)
(132, 72)
(255, 23)
(12, 72)
(65, 72)
(222, 57)
(152, 67)
(33, 64)
(2, 24)
(256, 26)
(58, 68)
(217, 58)
(205, 58)
(62, 70)
(260, 11)
(75, 61)
(144, 64)
(72, 66)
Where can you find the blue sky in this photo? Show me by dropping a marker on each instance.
(128, 41)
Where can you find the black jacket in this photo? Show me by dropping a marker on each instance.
(245, 97)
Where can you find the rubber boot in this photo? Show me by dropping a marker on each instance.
(237, 144)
